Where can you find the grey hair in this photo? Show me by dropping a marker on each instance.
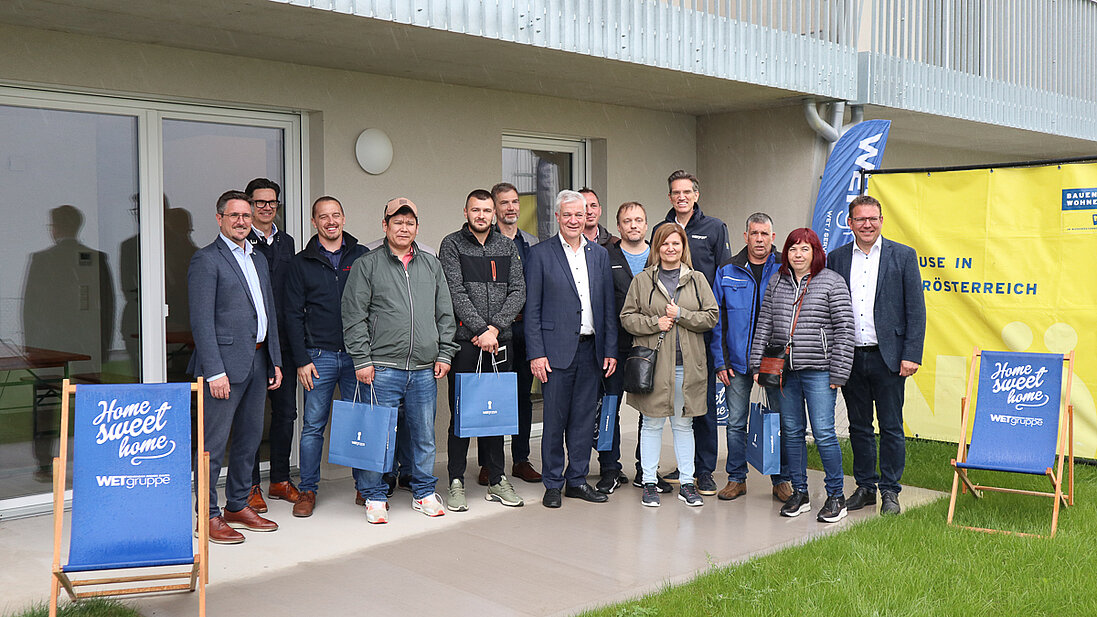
(567, 196)
(761, 218)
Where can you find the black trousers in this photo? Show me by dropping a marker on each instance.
(490, 449)
(283, 413)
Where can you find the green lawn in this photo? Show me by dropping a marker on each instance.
(86, 608)
(915, 564)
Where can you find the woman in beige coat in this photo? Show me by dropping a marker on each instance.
(671, 299)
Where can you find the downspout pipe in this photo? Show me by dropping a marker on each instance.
(821, 127)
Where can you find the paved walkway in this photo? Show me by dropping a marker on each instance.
(490, 560)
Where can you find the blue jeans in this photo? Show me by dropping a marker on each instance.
(651, 438)
(334, 367)
(811, 387)
(419, 394)
(737, 398)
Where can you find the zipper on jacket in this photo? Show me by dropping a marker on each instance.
(411, 306)
(823, 334)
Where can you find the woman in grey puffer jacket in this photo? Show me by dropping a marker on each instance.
(820, 360)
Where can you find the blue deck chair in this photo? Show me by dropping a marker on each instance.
(1017, 426)
(132, 505)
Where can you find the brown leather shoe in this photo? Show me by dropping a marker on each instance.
(782, 492)
(283, 490)
(255, 499)
(732, 490)
(359, 500)
(484, 477)
(304, 505)
(248, 519)
(525, 471)
(221, 533)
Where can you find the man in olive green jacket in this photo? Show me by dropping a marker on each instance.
(398, 328)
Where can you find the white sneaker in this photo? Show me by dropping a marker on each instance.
(377, 512)
(431, 505)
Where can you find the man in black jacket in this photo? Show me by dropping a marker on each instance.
(488, 291)
(278, 247)
(709, 247)
(314, 333)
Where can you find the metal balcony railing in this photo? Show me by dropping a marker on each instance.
(1028, 64)
(804, 46)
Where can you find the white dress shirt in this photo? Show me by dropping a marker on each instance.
(863, 272)
(243, 255)
(577, 261)
(268, 239)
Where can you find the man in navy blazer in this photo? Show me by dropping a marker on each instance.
(889, 318)
(236, 350)
(571, 343)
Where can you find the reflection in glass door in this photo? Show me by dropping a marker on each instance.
(201, 160)
(68, 288)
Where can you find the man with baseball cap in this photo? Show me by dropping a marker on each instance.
(398, 328)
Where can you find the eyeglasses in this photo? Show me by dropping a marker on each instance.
(866, 219)
(262, 205)
(238, 216)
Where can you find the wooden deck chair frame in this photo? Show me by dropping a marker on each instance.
(1064, 451)
(197, 572)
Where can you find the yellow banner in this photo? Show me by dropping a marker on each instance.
(1008, 259)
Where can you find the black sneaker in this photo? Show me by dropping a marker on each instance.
(651, 496)
(889, 503)
(672, 477)
(860, 498)
(706, 485)
(833, 510)
(688, 494)
(660, 484)
(390, 482)
(796, 505)
(608, 482)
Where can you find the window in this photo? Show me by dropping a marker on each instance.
(541, 167)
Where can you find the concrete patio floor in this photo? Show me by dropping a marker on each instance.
(490, 560)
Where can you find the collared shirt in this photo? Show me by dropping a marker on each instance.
(333, 256)
(268, 239)
(577, 261)
(863, 272)
(244, 258)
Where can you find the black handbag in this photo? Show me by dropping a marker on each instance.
(640, 364)
(640, 368)
(771, 372)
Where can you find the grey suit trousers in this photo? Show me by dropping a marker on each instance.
(241, 414)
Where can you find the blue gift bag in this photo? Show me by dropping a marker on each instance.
(606, 424)
(363, 436)
(721, 405)
(486, 404)
(764, 439)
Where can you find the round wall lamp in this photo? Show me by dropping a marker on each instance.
(373, 151)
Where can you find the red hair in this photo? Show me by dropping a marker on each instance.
(806, 236)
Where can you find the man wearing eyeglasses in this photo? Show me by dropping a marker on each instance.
(278, 248)
(236, 349)
(889, 319)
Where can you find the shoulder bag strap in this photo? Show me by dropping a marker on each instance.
(796, 315)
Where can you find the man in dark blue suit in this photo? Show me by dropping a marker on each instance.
(571, 342)
(889, 319)
(236, 350)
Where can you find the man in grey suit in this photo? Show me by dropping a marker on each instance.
(236, 350)
(889, 328)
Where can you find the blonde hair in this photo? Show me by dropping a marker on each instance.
(660, 236)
